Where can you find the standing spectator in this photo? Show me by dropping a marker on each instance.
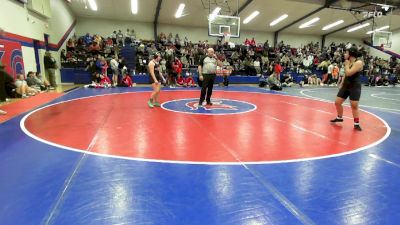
(114, 68)
(253, 42)
(50, 66)
(88, 39)
(278, 70)
(114, 36)
(120, 38)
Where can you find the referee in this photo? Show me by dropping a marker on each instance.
(207, 73)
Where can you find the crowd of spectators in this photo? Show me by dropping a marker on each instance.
(316, 65)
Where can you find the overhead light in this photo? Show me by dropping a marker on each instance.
(307, 24)
(329, 26)
(93, 5)
(179, 12)
(382, 28)
(134, 6)
(252, 16)
(276, 21)
(214, 13)
(358, 27)
(378, 29)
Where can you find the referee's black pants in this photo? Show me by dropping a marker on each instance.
(208, 84)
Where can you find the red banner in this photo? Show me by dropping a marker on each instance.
(11, 57)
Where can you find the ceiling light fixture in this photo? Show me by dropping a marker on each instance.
(308, 23)
(179, 12)
(134, 6)
(93, 5)
(279, 19)
(378, 29)
(252, 16)
(329, 26)
(358, 27)
(214, 13)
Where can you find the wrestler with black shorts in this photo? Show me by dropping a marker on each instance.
(351, 86)
(155, 80)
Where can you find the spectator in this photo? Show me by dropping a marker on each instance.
(189, 81)
(50, 66)
(120, 38)
(126, 81)
(274, 83)
(22, 87)
(3, 78)
(35, 82)
(114, 68)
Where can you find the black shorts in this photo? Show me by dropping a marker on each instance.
(354, 93)
(158, 77)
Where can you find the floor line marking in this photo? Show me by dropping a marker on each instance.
(384, 160)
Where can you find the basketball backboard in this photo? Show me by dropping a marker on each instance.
(221, 25)
(382, 39)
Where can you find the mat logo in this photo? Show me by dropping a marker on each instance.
(218, 107)
(215, 105)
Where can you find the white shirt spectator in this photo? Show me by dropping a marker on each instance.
(114, 64)
(19, 83)
(307, 62)
(330, 68)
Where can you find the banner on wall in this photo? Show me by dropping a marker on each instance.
(11, 57)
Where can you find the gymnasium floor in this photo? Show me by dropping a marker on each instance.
(101, 156)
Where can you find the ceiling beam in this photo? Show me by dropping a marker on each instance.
(158, 9)
(348, 26)
(326, 5)
(242, 7)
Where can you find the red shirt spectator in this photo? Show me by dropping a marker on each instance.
(278, 68)
(253, 42)
(127, 81)
(247, 42)
(104, 80)
(181, 81)
(190, 82)
(177, 66)
(316, 61)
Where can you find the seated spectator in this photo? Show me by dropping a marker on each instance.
(35, 82)
(87, 39)
(126, 81)
(274, 83)
(94, 48)
(262, 82)
(105, 81)
(287, 80)
(180, 81)
(96, 78)
(189, 80)
(304, 81)
(99, 81)
(70, 45)
(314, 80)
(22, 88)
(385, 81)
